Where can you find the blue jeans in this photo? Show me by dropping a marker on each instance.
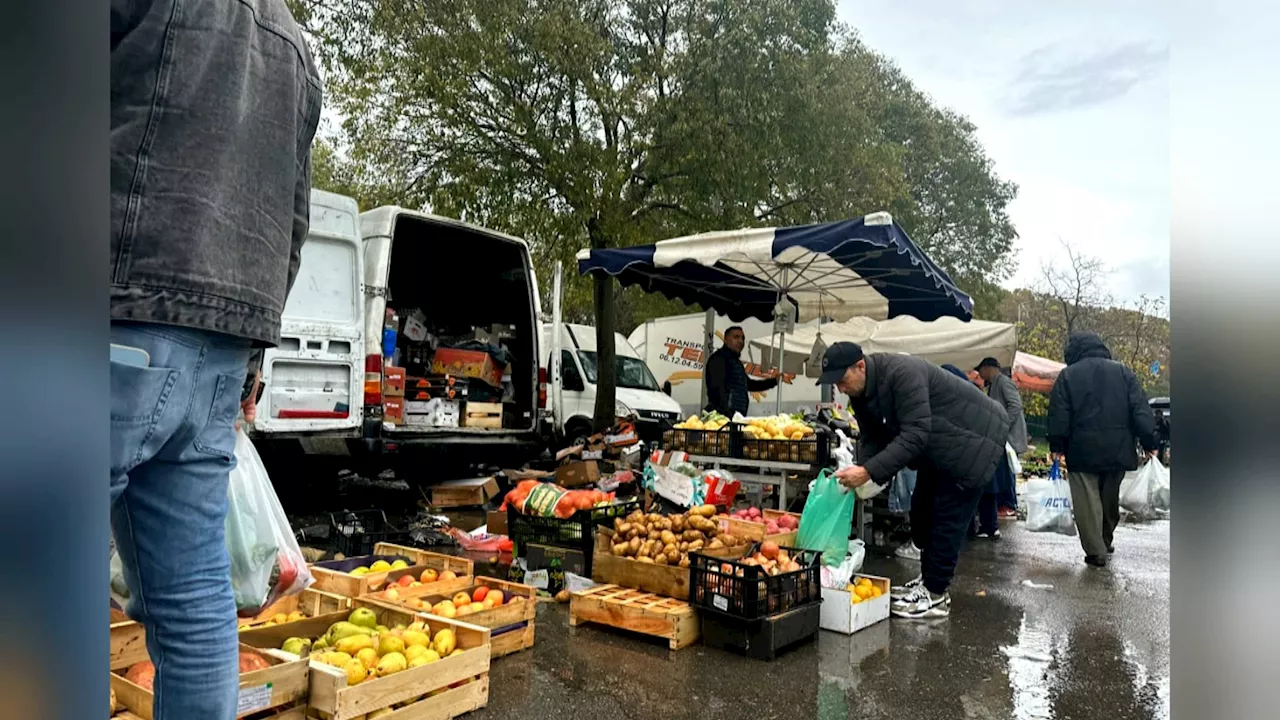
(900, 490)
(172, 449)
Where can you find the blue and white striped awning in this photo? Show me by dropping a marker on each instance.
(866, 267)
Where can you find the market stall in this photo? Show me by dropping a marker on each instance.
(861, 268)
(1034, 373)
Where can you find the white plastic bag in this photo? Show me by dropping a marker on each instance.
(1049, 504)
(266, 562)
(1014, 463)
(1145, 490)
(838, 576)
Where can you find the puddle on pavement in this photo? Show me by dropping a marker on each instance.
(1152, 692)
(1031, 670)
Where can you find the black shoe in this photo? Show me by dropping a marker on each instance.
(1111, 549)
(984, 535)
(1095, 560)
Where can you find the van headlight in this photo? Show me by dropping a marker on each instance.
(622, 410)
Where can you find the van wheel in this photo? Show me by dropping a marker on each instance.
(577, 432)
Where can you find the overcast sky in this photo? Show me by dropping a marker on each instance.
(1071, 103)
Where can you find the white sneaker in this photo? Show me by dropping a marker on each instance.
(921, 604)
(898, 592)
(908, 551)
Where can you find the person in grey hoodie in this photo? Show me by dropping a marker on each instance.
(1098, 414)
(213, 109)
(1003, 490)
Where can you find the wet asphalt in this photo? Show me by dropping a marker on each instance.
(1094, 645)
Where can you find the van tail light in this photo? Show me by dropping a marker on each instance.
(372, 380)
(542, 388)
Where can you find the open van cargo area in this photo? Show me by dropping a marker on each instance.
(462, 304)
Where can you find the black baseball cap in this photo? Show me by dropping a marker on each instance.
(838, 358)
(988, 362)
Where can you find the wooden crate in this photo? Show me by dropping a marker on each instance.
(459, 565)
(636, 611)
(669, 580)
(352, 586)
(756, 530)
(512, 624)
(443, 689)
(280, 686)
(482, 415)
(129, 639)
(310, 601)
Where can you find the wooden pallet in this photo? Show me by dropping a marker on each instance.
(636, 611)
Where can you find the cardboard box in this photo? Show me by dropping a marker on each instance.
(393, 410)
(393, 380)
(496, 522)
(467, 363)
(578, 474)
(840, 614)
(464, 493)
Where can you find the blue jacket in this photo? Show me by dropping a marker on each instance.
(213, 109)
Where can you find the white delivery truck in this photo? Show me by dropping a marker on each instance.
(638, 393)
(673, 348)
(323, 385)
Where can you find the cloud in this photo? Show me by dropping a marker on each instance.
(1058, 77)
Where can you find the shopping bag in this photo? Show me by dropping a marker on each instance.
(827, 519)
(1015, 464)
(266, 562)
(1159, 484)
(1145, 490)
(838, 576)
(1049, 504)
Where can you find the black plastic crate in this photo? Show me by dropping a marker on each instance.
(765, 638)
(355, 532)
(575, 532)
(716, 443)
(748, 592)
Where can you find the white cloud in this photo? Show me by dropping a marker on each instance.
(1071, 104)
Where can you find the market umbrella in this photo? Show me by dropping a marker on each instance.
(864, 267)
(1034, 373)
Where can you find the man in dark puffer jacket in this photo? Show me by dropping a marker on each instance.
(1097, 415)
(913, 413)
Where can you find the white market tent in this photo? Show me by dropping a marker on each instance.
(945, 340)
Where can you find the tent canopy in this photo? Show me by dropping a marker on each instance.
(946, 340)
(866, 267)
(1034, 373)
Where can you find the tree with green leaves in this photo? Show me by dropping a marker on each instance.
(607, 123)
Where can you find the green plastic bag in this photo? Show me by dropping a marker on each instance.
(827, 519)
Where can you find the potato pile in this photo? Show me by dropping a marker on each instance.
(668, 539)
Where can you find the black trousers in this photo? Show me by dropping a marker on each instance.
(941, 513)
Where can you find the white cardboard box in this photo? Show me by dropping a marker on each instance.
(840, 614)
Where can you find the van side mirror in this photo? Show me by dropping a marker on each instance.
(666, 387)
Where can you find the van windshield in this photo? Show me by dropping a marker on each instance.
(632, 372)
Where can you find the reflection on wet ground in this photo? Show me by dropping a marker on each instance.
(1095, 645)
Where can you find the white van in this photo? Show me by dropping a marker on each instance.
(638, 393)
(323, 383)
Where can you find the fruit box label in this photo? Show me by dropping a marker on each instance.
(537, 578)
(720, 602)
(253, 698)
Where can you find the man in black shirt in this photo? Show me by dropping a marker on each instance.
(728, 387)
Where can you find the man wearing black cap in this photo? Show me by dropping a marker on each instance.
(913, 413)
(1003, 492)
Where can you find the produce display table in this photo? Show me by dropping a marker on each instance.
(758, 472)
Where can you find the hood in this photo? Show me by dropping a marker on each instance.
(647, 400)
(1083, 345)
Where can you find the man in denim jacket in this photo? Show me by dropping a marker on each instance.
(213, 108)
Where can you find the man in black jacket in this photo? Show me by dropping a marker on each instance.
(728, 387)
(1098, 414)
(913, 413)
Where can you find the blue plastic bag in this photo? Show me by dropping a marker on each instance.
(827, 519)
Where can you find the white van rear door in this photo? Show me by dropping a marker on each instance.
(313, 382)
